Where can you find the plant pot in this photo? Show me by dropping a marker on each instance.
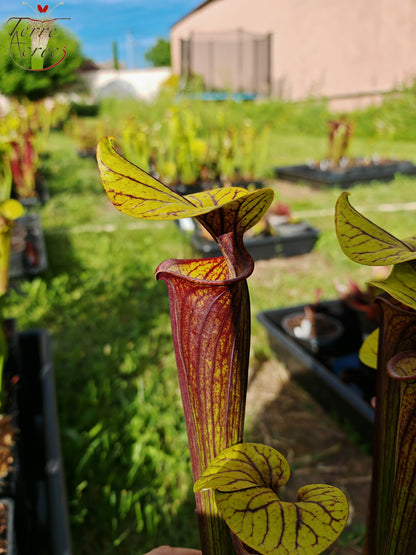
(87, 153)
(324, 330)
(345, 177)
(284, 244)
(28, 251)
(331, 372)
(186, 225)
(40, 512)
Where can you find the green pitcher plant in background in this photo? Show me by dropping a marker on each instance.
(391, 350)
(210, 316)
(10, 210)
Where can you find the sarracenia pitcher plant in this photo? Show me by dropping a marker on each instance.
(210, 315)
(391, 350)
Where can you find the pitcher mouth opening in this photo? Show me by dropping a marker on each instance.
(207, 271)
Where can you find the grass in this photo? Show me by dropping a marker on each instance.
(123, 436)
(111, 333)
(127, 468)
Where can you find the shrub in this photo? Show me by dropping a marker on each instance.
(15, 81)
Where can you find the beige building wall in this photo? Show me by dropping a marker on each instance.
(319, 47)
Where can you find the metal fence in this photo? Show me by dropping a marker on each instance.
(236, 61)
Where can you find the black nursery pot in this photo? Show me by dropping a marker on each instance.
(331, 372)
(345, 177)
(40, 511)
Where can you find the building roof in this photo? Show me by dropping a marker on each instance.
(199, 7)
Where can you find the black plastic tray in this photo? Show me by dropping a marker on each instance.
(317, 372)
(41, 517)
(264, 248)
(345, 177)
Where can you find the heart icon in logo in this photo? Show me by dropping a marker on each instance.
(44, 9)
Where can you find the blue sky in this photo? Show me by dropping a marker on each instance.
(97, 23)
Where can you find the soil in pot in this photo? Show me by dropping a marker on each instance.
(332, 372)
(313, 329)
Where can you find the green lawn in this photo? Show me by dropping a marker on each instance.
(123, 437)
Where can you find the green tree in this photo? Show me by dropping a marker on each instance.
(19, 82)
(159, 54)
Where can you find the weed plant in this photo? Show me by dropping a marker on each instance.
(123, 435)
